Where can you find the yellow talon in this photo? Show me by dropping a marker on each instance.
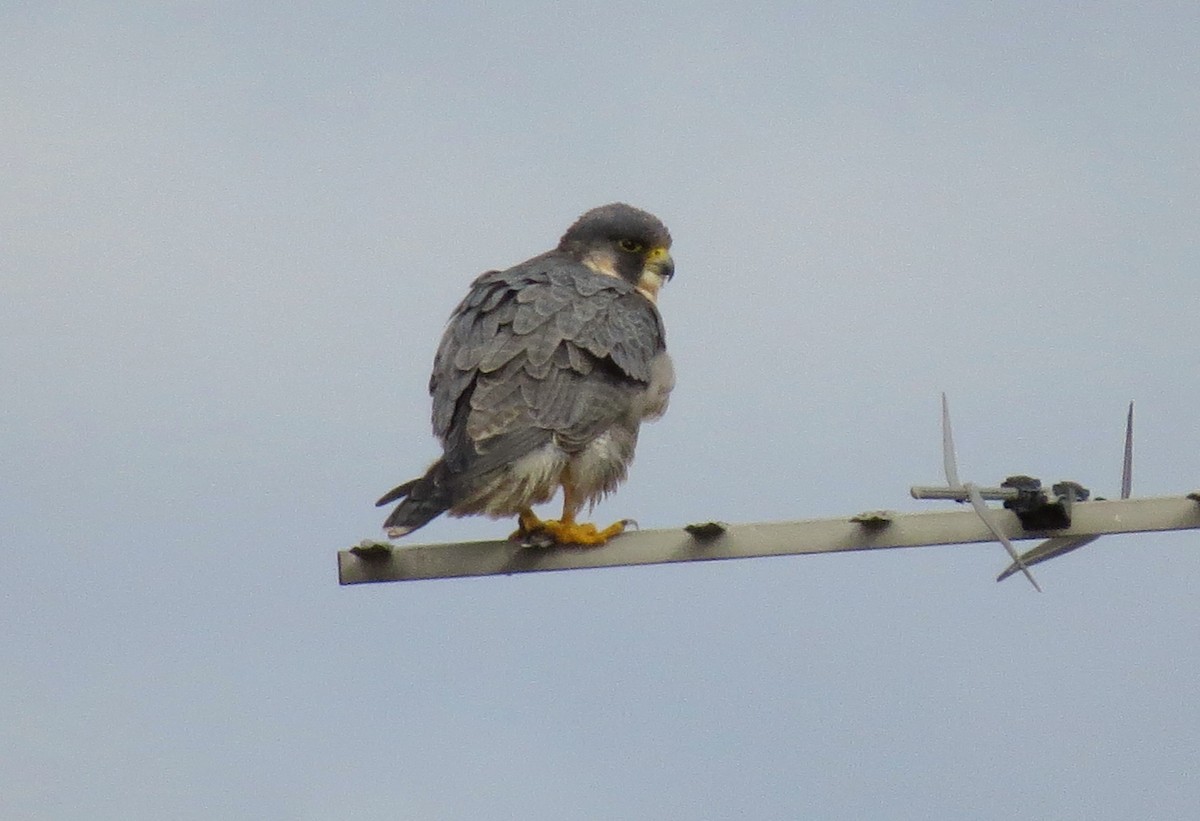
(562, 532)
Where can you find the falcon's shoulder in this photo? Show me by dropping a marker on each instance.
(520, 335)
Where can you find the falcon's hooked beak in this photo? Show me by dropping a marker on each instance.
(658, 269)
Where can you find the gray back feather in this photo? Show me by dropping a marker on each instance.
(546, 349)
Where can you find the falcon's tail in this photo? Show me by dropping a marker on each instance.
(424, 499)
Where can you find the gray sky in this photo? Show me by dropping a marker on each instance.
(230, 236)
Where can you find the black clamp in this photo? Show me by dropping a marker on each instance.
(1035, 508)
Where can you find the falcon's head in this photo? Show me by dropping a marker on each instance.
(621, 241)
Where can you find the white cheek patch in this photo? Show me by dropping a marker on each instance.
(602, 264)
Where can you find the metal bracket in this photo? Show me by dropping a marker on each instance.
(1034, 506)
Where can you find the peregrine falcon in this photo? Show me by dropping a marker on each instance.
(543, 376)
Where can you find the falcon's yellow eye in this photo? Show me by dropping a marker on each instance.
(630, 245)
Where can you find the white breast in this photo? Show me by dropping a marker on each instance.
(653, 402)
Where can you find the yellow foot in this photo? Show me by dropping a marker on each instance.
(554, 532)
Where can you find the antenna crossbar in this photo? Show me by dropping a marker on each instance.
(382, 562)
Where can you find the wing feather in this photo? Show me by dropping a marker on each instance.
(548, 349)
